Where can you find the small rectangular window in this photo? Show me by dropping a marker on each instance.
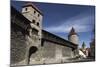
(33, 21)
(34, 12)
(25, 9)
(37, 23)
(38, 15)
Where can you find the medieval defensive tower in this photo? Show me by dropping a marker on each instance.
(34, 15)
(73, 36)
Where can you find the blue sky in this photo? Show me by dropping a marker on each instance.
(60, 18)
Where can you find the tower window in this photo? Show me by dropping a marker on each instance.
(34, 31)
(34, 12)
(33, 21)
(38, 15)
(37, 24)
(25, 9)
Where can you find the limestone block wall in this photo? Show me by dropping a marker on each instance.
(55, 53)
(48, 50)
(66, 51)
(18, 45)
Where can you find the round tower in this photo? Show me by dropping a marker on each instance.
(73, 36)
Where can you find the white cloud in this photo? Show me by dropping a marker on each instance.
(81, 23)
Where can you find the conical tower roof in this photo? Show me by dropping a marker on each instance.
(72, 32)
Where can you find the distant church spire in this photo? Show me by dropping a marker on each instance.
(83, 45)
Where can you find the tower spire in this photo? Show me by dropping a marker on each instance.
(83, 45)
(72, 32)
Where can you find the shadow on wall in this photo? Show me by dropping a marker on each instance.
(32, 50)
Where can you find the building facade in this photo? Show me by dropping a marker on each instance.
(30, 44)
